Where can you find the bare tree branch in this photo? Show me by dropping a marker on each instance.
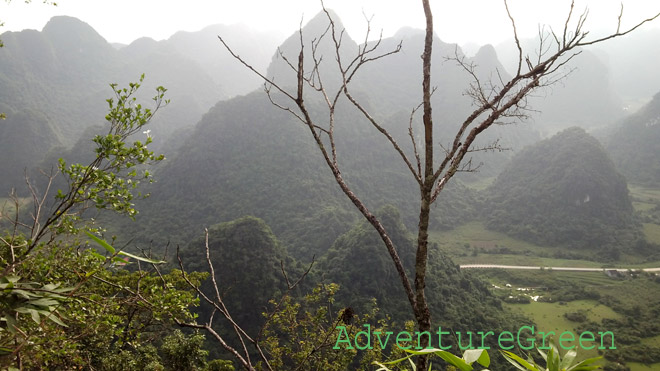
(494, 100)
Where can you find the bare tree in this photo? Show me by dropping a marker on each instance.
(248, 349)
(494, 101)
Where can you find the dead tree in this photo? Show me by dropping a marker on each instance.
(246, 343)
(493, 101)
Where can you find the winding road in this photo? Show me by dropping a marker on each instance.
(572, 269)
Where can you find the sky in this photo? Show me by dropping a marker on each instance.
(456, 21)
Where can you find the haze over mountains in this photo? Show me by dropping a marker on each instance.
(55, 83)
(231, 157)
(251, 173)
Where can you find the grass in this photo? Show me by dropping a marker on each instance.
(642, 367)
(474, 234)
(655, 342)
(645, 200)
(643, 206)
(644, 194)
(652, 232)
(620, 298)
(480, 183)
(549, 317)
(472, 243)
(639, 292)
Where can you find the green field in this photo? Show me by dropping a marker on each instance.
(655, 341)
(652, 232)
(624, 298)
(549, 317)
(646, 202)
(472, 243)
(642, 367)
(644, 193)
(630, 297)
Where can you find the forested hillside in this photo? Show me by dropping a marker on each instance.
(59, 78)
(239, 164)
(635, 144)
(247, 157)
(564, 191)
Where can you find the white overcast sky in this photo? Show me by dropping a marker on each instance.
(459, 21)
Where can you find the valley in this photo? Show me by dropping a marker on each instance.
(565, 183)
(561, 299)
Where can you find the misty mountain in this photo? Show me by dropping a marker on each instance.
(48, 79)
(205, 49)
(583, 95)
(344, 264)
(563, 191)
(61, 75)
(318, 44)
(36, 132)
(389, 88)
(634, 144)
(633, 74)
(55, 74)
(392, 88)
(247, 157)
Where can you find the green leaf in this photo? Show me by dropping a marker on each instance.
(382, 366)
(542, 353)
(448, 357)
(53, 317)
(520, 363)
(11, 324)
(396, 361)
(23, 294)
(51, 286)
(43, 302)
(12, 279)
(569, 357)
(151, 261)
(479, 355)
(585, 365)
(35, 315)
(553, 358)
(412, 364)
(101, 242)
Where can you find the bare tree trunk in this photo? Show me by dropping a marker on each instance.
(493, 102)
(422, 312)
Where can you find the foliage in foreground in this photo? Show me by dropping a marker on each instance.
(553, 361)
(64, 305)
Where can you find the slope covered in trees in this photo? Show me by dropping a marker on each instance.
(247, 157)
(563, 191)
(357, 263)
(59, 78)
(367, 280)
(246, 256)
(635, 144)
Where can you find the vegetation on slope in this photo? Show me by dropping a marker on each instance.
(564, 191)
